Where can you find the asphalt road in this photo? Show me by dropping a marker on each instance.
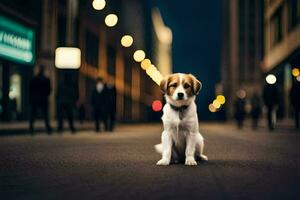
(242, 165)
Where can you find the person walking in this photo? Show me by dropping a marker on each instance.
(255, 110)
(66, 99)
(98, 102)
(271, 99)
(39, 91)
(111, 106)
(240, 111)
(81, 111)
(295, 101)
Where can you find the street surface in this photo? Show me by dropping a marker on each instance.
(242, 165)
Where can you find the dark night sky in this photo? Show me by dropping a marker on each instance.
(196, 27)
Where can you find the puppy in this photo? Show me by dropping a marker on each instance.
(180, 140)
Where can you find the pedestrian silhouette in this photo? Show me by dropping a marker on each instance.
(98, 102)
(255, 109)
(39, 91)
(66, 99)
(111, 106)
(239, 108)
(271, 99)
(295, 101)
(81, 111)
(13, 107)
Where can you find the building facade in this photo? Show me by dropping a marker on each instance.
(282, 45)
(103, 55)
(18, 51)
(74, 23)
(242, 49)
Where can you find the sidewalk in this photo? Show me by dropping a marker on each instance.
(21, 127)
(284, 126)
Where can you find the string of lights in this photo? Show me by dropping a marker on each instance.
(217, 103)
(126, 41)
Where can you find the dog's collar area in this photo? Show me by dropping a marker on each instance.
(179, 108)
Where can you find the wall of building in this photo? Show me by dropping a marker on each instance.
(59, 23)
(135, 90)
(242, 49)
(282, 45)
(278, 49)
(15, 72)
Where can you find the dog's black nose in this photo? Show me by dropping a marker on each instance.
(180, 95)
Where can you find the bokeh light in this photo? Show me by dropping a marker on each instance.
(156, 106)
(216, 104)
(211, 108)
(155, 75)
(126, 41)
(139, 55)
(295, 72)
(298, 78)
(98, 4)
(221, 99)
(271, 79)
(150, 71)
(159, 79)
(67, 58)
(111, 20)
(145, 64)
(241, 94)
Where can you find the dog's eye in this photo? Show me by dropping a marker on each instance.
(186, 86)
(173, 85)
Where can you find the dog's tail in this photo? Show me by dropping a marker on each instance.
(158, 148)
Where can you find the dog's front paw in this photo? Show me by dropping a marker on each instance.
(163, 162)
(190, 161)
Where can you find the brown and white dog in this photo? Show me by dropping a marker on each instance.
(180, 139)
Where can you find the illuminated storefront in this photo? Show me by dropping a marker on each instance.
(17, 56)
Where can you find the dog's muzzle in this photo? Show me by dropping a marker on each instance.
(180, 96)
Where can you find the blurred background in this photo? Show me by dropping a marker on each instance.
(230, 45)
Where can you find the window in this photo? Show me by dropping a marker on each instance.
(276, 27)
(128, 75)
(91, 49)
(61, 32)
(111, 61)
(293, 13)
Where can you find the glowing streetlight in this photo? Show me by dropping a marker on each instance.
(271, 79)
(139, 55)
(126, 41)
(98, 4)
(67, 58)
(111, 20)
(295, 72)
(145, 64)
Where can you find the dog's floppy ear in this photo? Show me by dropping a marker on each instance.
(164, 84)
(197, 85)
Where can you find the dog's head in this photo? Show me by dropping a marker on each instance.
(180, 88)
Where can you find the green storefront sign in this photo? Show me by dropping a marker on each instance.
(17, 42)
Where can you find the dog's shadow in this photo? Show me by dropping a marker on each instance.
(225, 163)
(181, 160)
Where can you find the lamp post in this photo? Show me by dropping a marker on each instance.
(67, 63)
